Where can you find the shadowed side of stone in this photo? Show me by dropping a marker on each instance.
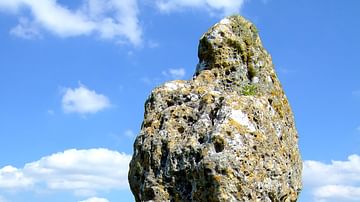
(226, 135)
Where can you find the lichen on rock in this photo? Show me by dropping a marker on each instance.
(226, 135)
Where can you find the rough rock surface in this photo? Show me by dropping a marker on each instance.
(226, 135)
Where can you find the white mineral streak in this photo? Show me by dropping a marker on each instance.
(242, 119)
(277, 129)
(174, 85)
(225, 21)
(259, 64)
(236, 142)
(218, 35)
(205, 120)
(271, 110)
(255, 79)
(215, 92)
(268, 79)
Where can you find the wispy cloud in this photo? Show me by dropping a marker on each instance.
(336, 181)
(168, 74)
(95, 199)
(286, 71)
(153, 44)
(224, 6)
(129, 133)
(174, 73)
(50, 112)
(2, 199)
(25, 29)
(109, 19)
(83, 172)
(83, 100)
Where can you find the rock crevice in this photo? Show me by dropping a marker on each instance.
(226, 135)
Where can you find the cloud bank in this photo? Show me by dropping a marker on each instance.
(88, 172)
(83, 172)
(333, 182)
(116, 20)
(95, 199)
(109, 19)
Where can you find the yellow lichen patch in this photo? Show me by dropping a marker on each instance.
(206, 76)
(229, 172)
(171, 146)
(191, 141)
(239, 128)
(234, 102)
(217, 178)
(259, 136)
(208, 98)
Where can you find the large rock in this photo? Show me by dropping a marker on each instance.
(226, 135)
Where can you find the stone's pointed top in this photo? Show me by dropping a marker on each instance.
(233, 52)
(226, 135)
(231, 36)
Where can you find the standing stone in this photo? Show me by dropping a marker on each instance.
(226, 135)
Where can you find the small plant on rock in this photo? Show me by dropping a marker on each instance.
(249, 90)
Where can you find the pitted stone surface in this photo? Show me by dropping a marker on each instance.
(226, 135)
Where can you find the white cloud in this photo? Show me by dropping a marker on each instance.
(25, 29)
(95, 199)
(174, 73)
(83, 172)
(337, 192)
(224, 6)
(110, 19)
(83, 100)
(13, 178)
(339, 180)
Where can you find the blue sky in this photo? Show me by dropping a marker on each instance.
(74, 76)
